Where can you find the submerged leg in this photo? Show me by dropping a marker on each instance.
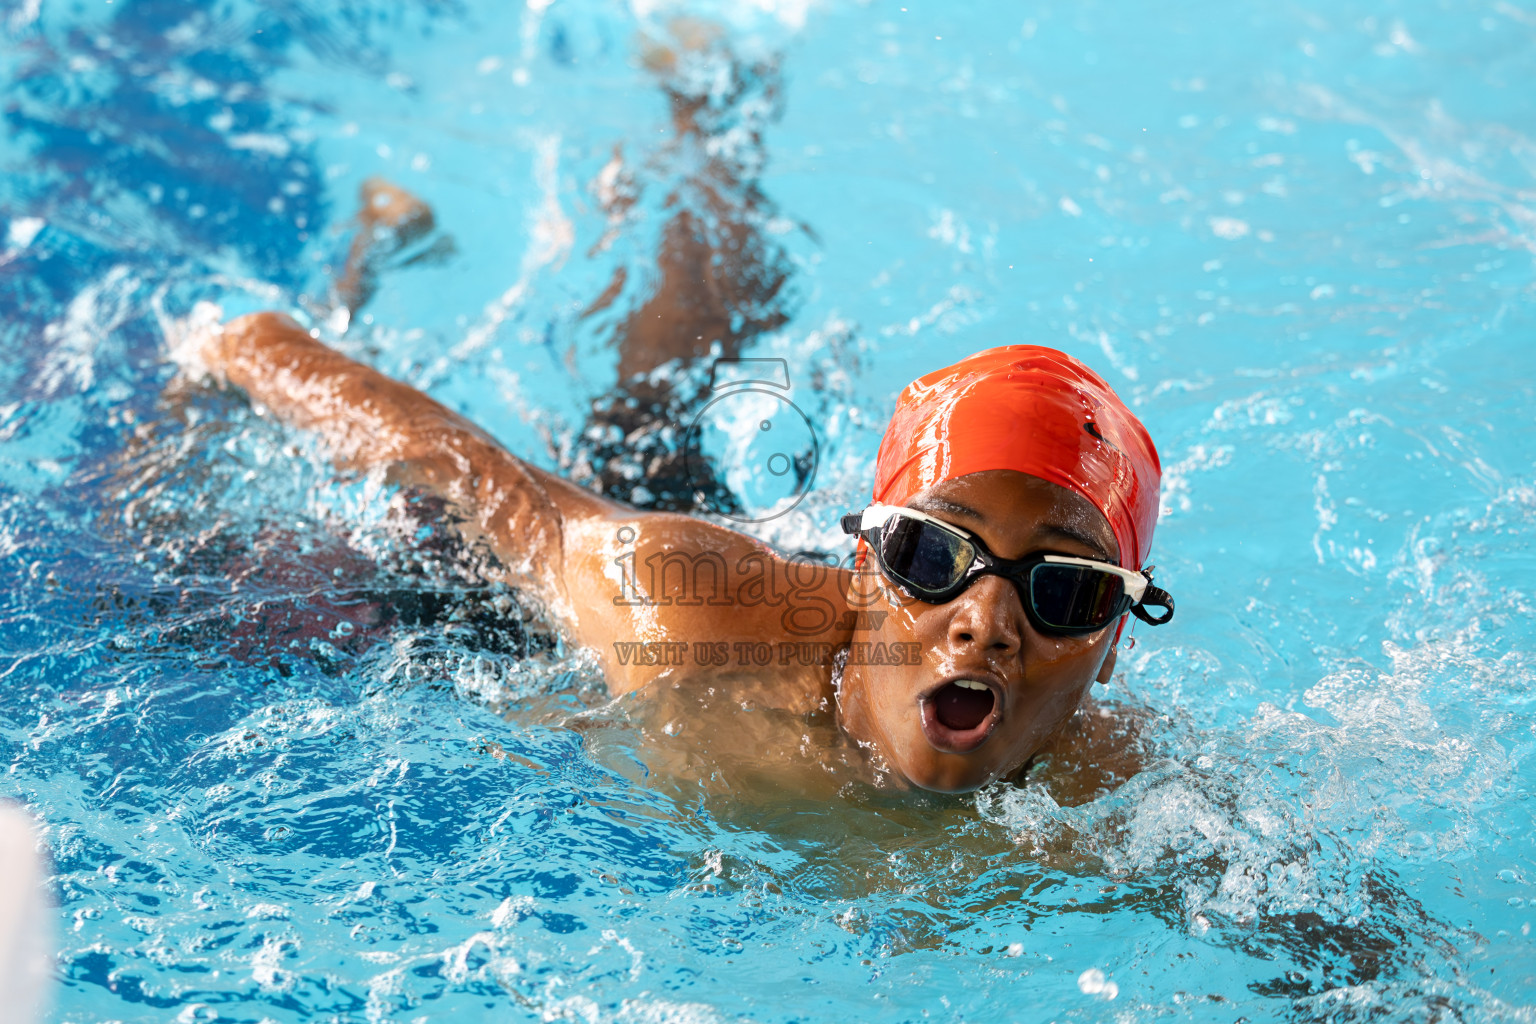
(721, 279)
(389, 220)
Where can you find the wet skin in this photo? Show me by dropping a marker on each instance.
(564, 547)
(561, 546)
(1037, 682)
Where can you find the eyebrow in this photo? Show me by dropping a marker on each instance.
(1085, 539)
(940, 506)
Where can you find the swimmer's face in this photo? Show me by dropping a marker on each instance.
(1023, 685)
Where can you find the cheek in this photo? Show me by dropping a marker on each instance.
(888, 617)
(900, 651)
(1062, 657)
(1064, 668)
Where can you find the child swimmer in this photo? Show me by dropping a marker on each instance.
(1014, 502)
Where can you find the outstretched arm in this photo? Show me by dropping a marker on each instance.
(566, 546)
(368, 421)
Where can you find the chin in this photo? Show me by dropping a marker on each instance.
(949, 778)
(955, 789)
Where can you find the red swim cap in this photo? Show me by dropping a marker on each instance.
(1035, 410)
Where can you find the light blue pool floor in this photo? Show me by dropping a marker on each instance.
(288, 773)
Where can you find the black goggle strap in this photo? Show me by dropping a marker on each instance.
(1156, 597)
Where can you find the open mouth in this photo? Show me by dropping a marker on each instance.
(960, 715)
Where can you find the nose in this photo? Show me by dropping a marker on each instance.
(988, 616)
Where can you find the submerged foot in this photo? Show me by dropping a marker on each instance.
(390, 222)
(711, 89)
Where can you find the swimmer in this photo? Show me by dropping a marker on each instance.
(1003, 550)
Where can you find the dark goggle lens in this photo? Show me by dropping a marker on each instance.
(1075, 597)
(922, 556)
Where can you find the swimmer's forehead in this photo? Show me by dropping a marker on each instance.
(1015, 509)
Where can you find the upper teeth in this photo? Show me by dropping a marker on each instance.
(970, 684)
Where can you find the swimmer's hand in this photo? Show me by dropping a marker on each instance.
(194, 343)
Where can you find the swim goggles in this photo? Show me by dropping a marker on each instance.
(1062, 595)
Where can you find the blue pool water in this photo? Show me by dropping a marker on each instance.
(290, 769)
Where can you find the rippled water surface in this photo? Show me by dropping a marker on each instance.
(293, 767)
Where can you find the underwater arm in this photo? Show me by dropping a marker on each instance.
(1097, 751)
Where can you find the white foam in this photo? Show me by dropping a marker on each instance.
(1094, 982)
(261, 142)
(187, 338)
(1230, 228)
(23, 230)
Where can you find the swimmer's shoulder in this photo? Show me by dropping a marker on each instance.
(669, 599)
